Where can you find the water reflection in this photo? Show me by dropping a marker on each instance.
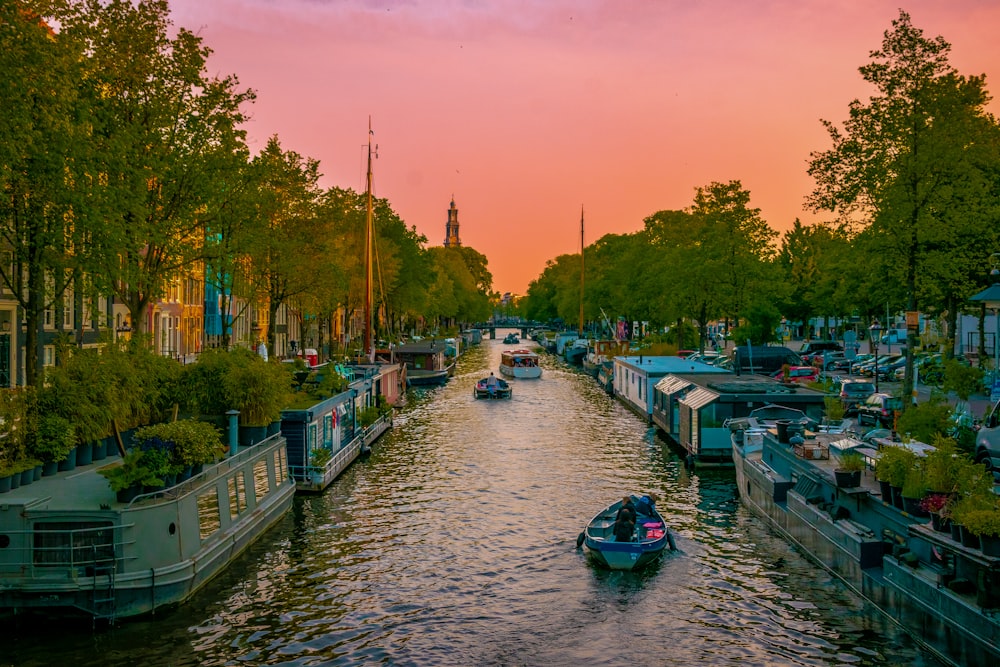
(455, 544)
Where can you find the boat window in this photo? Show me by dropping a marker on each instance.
(72, 542)
(312, 437)
(280, 469)
(237, 495)
(208, 513)
(261, 483)
(328, 430)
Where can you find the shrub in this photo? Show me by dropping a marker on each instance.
(893, 463)
(188, 441)
(54, 438)
(914, 486)
(927, 420)
(132, 471)
(984, 522)
(851, 461)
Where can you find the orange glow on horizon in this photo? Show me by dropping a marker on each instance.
(523, 111)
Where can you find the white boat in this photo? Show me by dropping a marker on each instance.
(520, 364)
(73, 547)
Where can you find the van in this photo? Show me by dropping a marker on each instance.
(894, 337)
(763, 359)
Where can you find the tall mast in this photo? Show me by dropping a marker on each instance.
(580, 327)
(369, 242)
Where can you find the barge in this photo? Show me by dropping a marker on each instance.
(945, 594)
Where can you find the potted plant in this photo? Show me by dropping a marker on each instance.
(965, 508)
(131, 476)
(985, 524)
(256, 389)
(890, 468)
(848, 470)
(941, 466)
(190, 444)
(54, 439)
(934, 504)
(913, 490)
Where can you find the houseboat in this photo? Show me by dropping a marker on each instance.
(943, 592)
(601, 351)
(426, 363)
(325, 438)
(691, 409)
(635, 376)
(71, 548)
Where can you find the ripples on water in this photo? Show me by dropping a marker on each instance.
(455, 544)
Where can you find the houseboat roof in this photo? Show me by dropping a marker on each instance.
(662, 365)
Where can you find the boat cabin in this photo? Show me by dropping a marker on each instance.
(636, 376)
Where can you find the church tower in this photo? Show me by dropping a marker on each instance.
(451, 239)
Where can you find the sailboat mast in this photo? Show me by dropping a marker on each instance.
(369, 242)
(580, 327)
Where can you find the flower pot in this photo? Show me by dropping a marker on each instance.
(897, 497)
(170, 480)
(274, 428)
(37, 472)
(912, 507)
(5, 484)
(940, 523)
(84, 454)
(99, 449)
(847, 479)
(50, 468)
(15, 481)
(27, 476)
(991, 545)
(782, 427)
(128, 494)
(184, 474)
(969, 540)
(885, 490)
(956, 531)
(68, 463)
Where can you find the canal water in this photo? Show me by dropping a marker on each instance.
(454, 543)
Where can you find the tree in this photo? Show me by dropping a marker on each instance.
(913, 164)
(164, 133)
(44, 168)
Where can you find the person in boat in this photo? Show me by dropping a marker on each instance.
(491, 384)
(647, 504)
(624, 528)
(627, 510)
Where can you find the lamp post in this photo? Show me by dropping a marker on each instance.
(990, 297)
(873, 331)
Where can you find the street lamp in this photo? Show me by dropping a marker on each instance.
(873, 331)
(990, 297)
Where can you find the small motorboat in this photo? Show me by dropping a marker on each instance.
(650, 538)
(511, 339)
(492, 387)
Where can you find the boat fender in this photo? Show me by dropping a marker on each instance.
(670, 541)
(579, 540)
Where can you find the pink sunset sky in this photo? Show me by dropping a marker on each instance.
(526, 110)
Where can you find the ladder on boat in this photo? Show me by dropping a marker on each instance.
(103, 596)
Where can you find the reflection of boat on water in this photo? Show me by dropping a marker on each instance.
(73, 548)
(650, 539)
(942, 592)
(520, 364)
(511, 339)
(492, 387)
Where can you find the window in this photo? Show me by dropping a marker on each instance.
(237, 495)
(261, 483)
(280, 469)
(208, 514)
(72, 542)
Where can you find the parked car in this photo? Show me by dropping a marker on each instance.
(800, 374)
(878, 409)
(854, 392)
(827, 360)
(988, 441)
(763, 359)
(845, 364)
(809, 350)
(867, 369)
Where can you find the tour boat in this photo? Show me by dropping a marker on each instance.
(520, 364)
